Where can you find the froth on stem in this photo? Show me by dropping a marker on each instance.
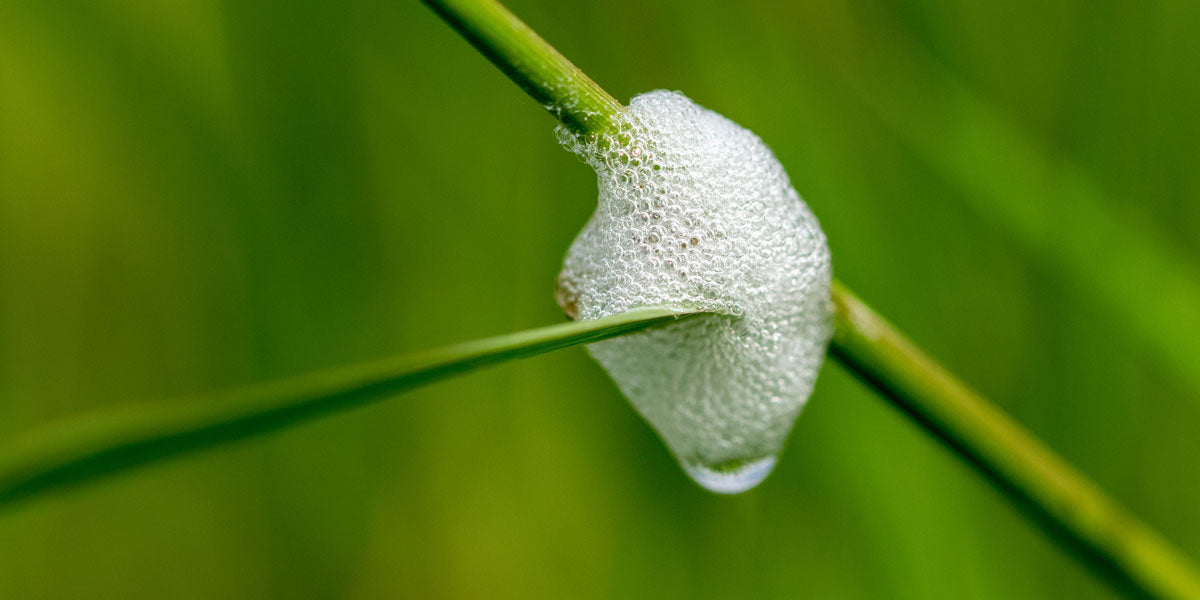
(1062, 501)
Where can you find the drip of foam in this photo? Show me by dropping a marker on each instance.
(695, 212)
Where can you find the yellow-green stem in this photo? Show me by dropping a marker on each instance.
(534, 65)
(1069, 506)
(1059, 498)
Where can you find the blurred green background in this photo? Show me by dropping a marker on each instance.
(196, 194)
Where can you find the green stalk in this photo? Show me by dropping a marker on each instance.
(100, 445)
(1068, 506)
(534, 65)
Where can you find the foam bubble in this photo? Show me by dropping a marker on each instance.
(695, 212)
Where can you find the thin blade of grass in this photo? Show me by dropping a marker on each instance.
(95, 446)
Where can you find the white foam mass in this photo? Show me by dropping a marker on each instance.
(695, 212)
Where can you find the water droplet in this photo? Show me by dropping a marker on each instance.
(731, 477)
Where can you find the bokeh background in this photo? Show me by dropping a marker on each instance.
(197, 194)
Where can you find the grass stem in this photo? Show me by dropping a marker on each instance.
(1060, 499)
(534, 65)
(1064, 502)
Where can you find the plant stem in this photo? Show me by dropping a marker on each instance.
(99, 445)
(534, 65)
(1072, 508)
(1067, 505)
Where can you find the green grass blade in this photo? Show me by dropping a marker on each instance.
(99, 445)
